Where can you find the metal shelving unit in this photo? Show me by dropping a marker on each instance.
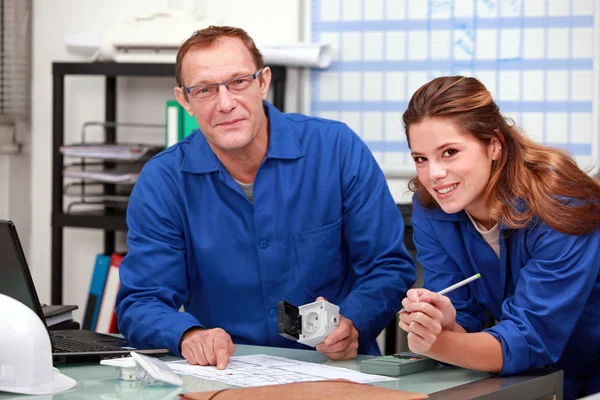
(110, 220)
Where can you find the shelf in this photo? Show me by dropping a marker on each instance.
(100, 220)
(108, 221)
(90, 219)
(114, 69)
(406, 210)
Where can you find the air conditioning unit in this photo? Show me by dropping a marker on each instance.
(156, 37)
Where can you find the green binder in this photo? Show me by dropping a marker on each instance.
(179, 123)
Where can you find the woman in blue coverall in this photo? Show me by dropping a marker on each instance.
(488, 200)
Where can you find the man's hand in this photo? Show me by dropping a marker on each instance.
(342, 343)
(207, 347)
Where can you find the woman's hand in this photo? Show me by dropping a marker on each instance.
(424, 316)
(417, 300)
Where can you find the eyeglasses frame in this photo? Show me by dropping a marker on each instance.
(255, 75)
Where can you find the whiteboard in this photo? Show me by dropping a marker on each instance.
(538, 58)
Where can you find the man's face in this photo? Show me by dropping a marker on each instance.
(230, 119)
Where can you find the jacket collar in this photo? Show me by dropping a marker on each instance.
(437, 213)
(283, 144)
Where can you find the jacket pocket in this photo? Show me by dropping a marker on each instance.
(319, 258)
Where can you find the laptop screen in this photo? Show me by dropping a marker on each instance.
(15, 278)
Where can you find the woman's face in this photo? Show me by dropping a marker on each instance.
(453, 166)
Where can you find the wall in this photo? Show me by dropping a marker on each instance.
(15, 133)
(15, 180)
(140, 100)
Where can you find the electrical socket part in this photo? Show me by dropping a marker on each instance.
(309, 324)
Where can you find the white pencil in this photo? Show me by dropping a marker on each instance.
(459, 284)
(455, 286)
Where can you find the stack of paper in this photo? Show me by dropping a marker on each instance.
(104, 176)
(56, 314)
(129, 152)
(261, 370)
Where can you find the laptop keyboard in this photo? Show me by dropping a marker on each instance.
(65, 344)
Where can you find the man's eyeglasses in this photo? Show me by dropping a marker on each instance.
(209, 91)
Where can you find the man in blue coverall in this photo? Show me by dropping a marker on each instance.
(256, 207)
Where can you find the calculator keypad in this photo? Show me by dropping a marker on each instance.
(405, 355)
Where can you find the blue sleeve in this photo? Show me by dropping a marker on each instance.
(552, 290)
(441, 271)
(153, 274)
(373, 234)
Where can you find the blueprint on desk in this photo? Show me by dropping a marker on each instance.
(538, 58)
(262, 370)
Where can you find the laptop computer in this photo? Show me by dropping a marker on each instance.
(68, 346)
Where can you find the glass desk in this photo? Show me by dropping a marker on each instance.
(96, 381)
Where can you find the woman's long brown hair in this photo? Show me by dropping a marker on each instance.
(529, 180)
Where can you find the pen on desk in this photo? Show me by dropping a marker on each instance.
(455, 286)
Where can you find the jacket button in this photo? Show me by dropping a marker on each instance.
(263, 244)
(273, 312)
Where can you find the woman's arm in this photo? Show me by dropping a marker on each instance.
(441, 270)
(536, 323)
(551, 294)
(479, 351)
(429, 319)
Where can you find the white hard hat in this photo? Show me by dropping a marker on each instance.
(26, 353)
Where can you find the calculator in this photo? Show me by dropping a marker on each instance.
(397, 364)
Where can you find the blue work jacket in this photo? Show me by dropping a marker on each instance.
(323, 223)
(544, 291)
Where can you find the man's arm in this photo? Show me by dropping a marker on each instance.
(153, 274)
(373, 232)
